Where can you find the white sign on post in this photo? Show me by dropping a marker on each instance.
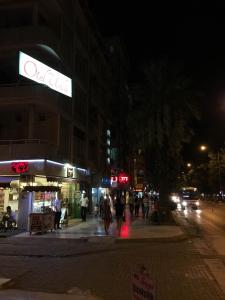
(143, 288)
(33, 69)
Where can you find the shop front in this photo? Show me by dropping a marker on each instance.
(31, 186)
(101, 191)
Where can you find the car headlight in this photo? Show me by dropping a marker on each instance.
(197, 203)
(178, 199)
(175, 199)
(184, 203)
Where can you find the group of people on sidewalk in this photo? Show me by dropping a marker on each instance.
(114, 207)
(148, 204)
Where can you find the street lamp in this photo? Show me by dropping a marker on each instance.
(203, 148)
(189, 165)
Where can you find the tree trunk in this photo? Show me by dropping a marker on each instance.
(164, 202)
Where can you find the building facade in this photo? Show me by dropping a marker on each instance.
(55, 96)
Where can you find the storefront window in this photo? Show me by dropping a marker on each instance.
(43, 201)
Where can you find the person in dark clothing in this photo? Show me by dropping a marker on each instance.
(101, 201)
(106, 215)
(9, 218)
(119, 213)
(131, 204)
(57, 209)
(136, 205)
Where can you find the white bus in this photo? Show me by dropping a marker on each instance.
(189, 197)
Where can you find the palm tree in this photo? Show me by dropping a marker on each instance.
(159, 121)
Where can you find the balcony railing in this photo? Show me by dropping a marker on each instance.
(24, 141)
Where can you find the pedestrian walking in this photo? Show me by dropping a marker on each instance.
(57, 209)
(145, 206)
(136, 205)
(96, 209)
(106, 215)
(131, 204)
(101, 200)
(142, 206)
(119, 213)
(84, 205)
(155, 213)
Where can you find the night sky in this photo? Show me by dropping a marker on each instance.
(188, 32)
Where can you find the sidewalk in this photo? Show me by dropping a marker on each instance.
(136, 229)
(25, 295)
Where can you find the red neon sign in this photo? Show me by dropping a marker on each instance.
(123, 178)
(20, 167)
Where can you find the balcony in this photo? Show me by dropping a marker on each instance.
(34, 94)
(27, 149)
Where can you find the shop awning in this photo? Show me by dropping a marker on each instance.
(47, 188)
(6, 180)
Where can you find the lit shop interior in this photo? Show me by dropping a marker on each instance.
(44, 192)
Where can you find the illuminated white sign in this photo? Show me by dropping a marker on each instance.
(35, 70)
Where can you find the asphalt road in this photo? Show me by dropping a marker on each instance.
(206, 229)
(209, 224)
(189, 269)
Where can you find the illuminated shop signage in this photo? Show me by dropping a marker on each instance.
(106, 181)
(123, 178)
(33, 69)
(114, 179)
(70, 172)
(20, 167)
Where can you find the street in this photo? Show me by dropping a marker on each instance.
(209, 225)
(102, 266)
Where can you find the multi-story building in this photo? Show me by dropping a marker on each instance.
(55, 95)
(118, 57)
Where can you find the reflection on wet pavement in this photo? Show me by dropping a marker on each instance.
(135, 227)
(93, 227)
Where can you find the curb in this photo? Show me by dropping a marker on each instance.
(7, 234)
(178, 238)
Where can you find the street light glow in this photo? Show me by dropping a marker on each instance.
(203, 147)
